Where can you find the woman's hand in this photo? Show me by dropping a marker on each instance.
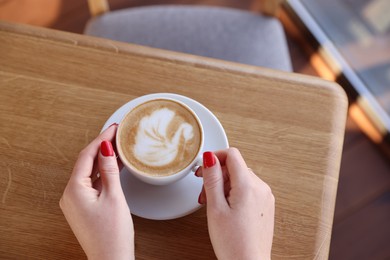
(240, 207)
(95, 208)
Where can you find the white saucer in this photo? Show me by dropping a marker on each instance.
(180, 198)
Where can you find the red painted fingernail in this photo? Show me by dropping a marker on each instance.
(106, 148)
(197, 172)
(112, 124)
(208, 159)
(200, 199)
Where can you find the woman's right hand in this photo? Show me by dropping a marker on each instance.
(240, 207)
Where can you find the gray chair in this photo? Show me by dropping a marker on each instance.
(215, 32)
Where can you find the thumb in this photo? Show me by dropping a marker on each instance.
(108, 168)
(213, 180)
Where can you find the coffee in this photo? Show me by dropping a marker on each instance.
(159, 137)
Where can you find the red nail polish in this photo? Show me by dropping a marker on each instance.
(208, 159)
(106, 148)
(196, 172)
(200, 199)
(112, 124)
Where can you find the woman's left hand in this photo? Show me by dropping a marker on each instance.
(96, 208)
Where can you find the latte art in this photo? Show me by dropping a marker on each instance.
(153, 144)
(160, 137)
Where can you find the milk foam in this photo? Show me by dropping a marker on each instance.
(153, 146)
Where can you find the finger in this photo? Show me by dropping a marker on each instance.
(202, 196)
(199, 172)
(222, 155)
(97, 185)
(85, 161)
(95, 171)
(213, 181)
(226, 189)
(202, 199)
(236, 166)
(108, 169)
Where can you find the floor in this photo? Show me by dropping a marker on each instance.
(361, 225)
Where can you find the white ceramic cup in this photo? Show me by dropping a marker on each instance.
(160, 180)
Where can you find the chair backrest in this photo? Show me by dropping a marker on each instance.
(98, 7)
(267, 7)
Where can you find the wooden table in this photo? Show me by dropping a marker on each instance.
(57, 89)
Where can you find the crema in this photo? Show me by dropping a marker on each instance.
(160, 137)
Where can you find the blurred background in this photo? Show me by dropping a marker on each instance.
(343, 40)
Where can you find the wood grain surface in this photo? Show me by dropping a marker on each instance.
(58, 89)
